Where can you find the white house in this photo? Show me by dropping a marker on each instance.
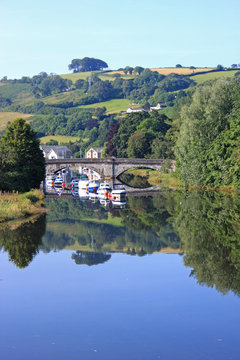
(158, 107)
(130, 110)
(94, 153)
(56, 152)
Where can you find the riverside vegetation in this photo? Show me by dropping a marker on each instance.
(16, 206)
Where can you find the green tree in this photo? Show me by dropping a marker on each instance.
(138, 70)
(87, 64)
(208, 143)
(138, 145)
(22, 161)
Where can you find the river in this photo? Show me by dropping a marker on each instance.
(158, 278)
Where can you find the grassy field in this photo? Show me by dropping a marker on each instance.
(167, 71)
(60, 139)
(18, 93)
(6, 117)
(112, 106)
(64, 96)
(85, 75)
(213, 76)
(17, 206)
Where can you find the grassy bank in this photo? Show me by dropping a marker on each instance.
(18, 206)
(166, 180)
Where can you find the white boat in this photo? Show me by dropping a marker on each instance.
(83, 181)
(50, 180)
(104, 190)
(93, 186)
(119, 195)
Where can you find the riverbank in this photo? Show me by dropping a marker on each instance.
(17, 206)
(153, 178)
(170, 181)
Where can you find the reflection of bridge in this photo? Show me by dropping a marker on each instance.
(108, 168)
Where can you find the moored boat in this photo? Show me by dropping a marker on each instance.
(93, 186)
(83, 181)
(104, 190)
(119, 195)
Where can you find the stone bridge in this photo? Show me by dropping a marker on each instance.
(108, 168)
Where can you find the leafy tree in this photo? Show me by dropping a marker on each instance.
(220, 67)
(81, 84)
(138, 70)
(208, 143)
(23, 165)
(138, 145)
(87, 64)
(178, 66)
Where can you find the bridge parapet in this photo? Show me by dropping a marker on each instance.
(108, 168)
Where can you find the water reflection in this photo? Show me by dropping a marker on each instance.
(202, 226)
(208, 225)
(22, 242)
(90, 258)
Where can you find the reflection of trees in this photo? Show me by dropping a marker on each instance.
(90, 258)
(136, 181)
(145, 226)
(208, 225)
(23, 242)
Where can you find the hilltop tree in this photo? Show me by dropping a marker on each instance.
(21, 159)
(87, 64)
(138, 70)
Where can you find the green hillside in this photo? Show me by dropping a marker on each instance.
(213, 76)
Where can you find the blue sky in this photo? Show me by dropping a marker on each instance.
(46, 35)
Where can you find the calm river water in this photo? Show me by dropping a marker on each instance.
(157, 279)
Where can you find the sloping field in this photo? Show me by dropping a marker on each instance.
(85, 75)
(213, 76)
(64, 96)
(6, 117)
(112, 106)
(18, 93)
(181, 71)
(167, 71)
(60, 139)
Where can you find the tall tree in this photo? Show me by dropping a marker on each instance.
(22, 161)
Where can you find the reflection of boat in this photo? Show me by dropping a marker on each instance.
(104, 202)
(93, 186)
(74, 192)
(119, 195)
(74, 182)
(120, 204)
(58, 189)
(83, 194)
(93, 197)
(50, 180)
(58, 181)
(83, 181)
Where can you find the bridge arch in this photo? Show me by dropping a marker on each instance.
(119, 171)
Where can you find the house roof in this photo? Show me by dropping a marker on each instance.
(98, 149)
(56, 148)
